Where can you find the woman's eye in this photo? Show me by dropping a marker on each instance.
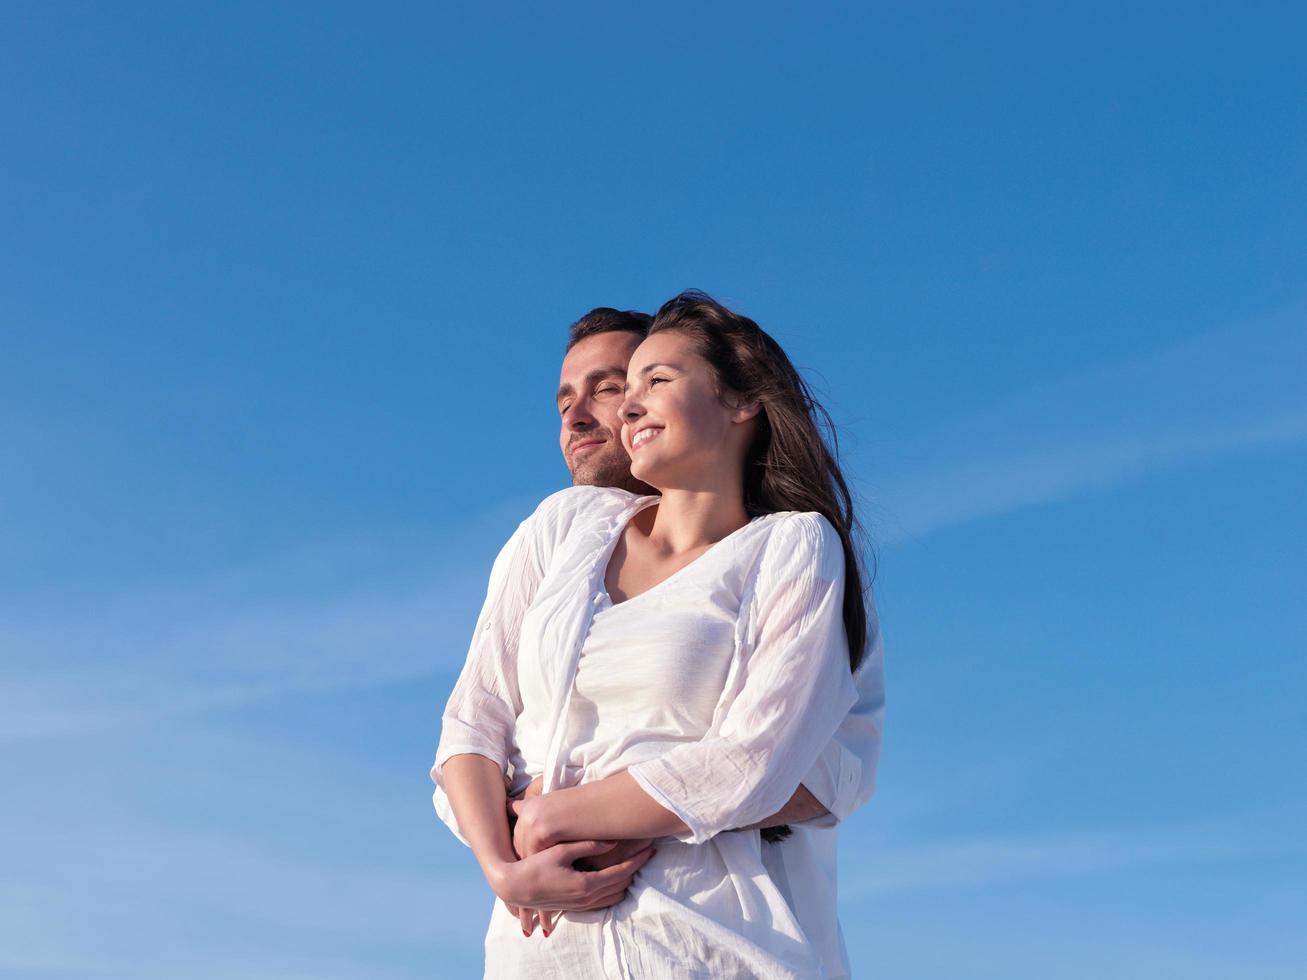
(654, 381)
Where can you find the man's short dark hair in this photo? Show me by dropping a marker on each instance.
(605, 319)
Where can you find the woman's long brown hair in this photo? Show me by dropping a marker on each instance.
(789, 465)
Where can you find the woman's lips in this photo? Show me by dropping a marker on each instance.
(645, 436)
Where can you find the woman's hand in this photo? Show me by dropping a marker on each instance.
(535, 788)
(529, 822)
(548, 880)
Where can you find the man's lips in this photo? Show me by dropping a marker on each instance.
(585, 447)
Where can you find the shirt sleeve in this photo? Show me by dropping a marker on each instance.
(481, 714)
(844, 777)
(782, 707)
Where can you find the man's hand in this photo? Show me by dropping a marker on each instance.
(624, 850)
(534, 788)
(530, 836)
(800, 807)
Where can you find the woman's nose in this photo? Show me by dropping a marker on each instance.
(630, 409)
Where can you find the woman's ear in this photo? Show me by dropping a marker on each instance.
(742, 411)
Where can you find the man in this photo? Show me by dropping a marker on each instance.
(591, 388)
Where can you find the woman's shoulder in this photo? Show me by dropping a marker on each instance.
(799, 526)
(795, 540)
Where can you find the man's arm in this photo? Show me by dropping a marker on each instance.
(802, 806)
(844, 776)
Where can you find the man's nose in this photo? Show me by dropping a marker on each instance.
(578, 415)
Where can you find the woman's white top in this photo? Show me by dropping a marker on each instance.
(720, 690)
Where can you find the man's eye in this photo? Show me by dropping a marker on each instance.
(607, 390)
(562, 409)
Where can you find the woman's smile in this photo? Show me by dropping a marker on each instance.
(644, 435)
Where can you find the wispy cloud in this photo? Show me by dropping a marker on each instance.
(68, 914)
(321, 620)
(987, 861)
(1229, 391)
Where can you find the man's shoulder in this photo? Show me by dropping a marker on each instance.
(583, 498)
(572, 507)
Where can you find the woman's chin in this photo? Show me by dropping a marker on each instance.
(647, 474)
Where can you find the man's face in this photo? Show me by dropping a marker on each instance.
(590, 390)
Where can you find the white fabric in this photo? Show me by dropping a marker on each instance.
(720, 690)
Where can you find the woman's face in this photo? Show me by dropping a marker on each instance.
(676, 429)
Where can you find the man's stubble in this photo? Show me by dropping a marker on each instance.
(608, 468)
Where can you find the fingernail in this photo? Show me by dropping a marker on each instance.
(525, 933)
(546, 933)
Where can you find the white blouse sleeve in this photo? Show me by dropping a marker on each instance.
(784, 702)
(844, 776)
(481, 714)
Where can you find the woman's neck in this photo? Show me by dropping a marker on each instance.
(688, 519)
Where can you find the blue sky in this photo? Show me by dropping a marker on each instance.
(282, 295)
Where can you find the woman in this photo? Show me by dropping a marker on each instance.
(670, 666)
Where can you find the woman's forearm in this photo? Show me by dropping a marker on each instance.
(613, 808)
(802, 806)
(543, 879)
(475, 787)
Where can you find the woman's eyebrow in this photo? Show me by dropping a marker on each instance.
(649, 367)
